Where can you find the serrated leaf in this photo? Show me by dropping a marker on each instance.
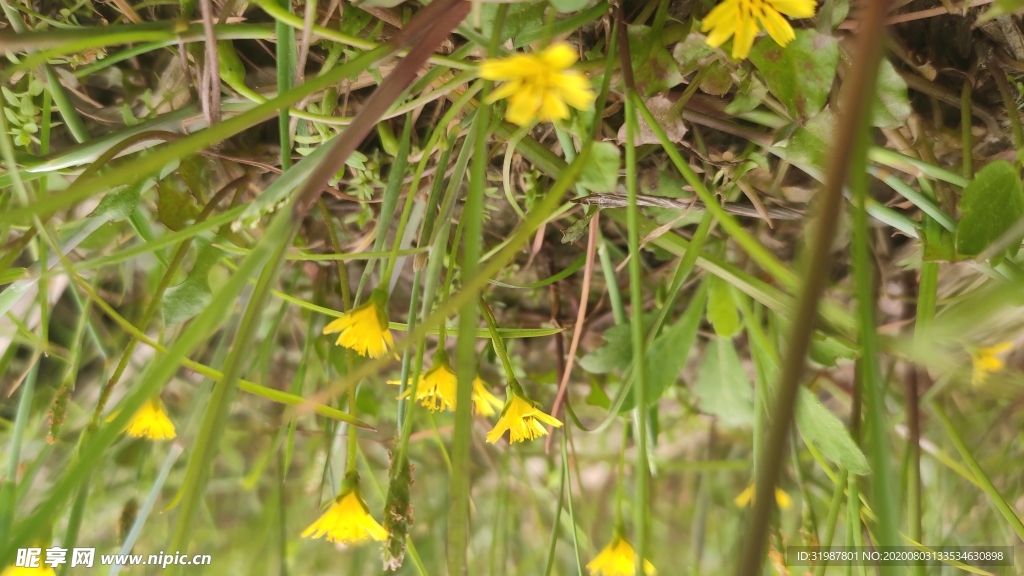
(992, 202)
(601, 171)
(722, 388)
(722, 312)
(892, 103)
(799, 75)
(820, 426)
(193, 295)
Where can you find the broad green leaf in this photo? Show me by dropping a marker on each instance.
(826, 350)
(819, 425)
(892, 103)
(184, 301)
(669, 352)
(717, 79)
(991, 203)
(749, 96)
(809, 143)
(722, 312)
(654, 69)
(616, 354)
(722, 388)
(601, 171)
(174, 207)
(693, 52)
(799, 75)
(597, 396)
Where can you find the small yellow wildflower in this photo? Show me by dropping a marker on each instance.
(347, 521)
(986, 361)
(741, 17)
(747, 496)
(437, 388)
(150, 422)
(523, 420)
(40, 570)
(617, 559)
(365, 328)
(484, 402)
(539, 86)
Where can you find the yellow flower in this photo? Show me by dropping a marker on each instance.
(150, 422)
(347, 521)
(617, 559)
(539, 86)
(523, 420)
(747, 496)
(365, 328)
(484, 402)
(40, 570)
(987, 361)
(437, 387)
(741, 17)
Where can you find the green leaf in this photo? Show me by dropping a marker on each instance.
(722, 312)
(184, 301)
(570, 5)
(717, 79)
(119, 205)
(722, 388)
(174, 207)
(991, 203)
(654, 69)
(601, 171)
(799, 75)
(616, 354)
(693, 52)
(521, 16)
(892, 103)
(809, 143)
(820, 426)
(669, 352)
(597, 396)
(826, 350)
(749, 96)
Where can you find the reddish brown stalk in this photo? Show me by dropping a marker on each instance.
(855, 98)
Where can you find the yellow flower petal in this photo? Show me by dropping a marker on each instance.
(617, 559)
(986, 360)
(539, 86)
(364, 329)
(40, 570)
(794, 8)
(747, 496)
(777, 27)
(150, 422)
(347, 521)
(522, 420)
(485, 403)
(742, 19)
